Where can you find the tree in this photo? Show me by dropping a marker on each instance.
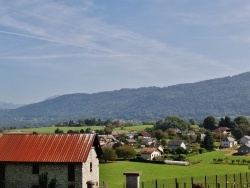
(58, 131)
(198, 138)
(159, 134)
(116, 145)
(237, 133)
(241, 120)
(180, 150)
(88, 130)
(208, 142)
(108, 130)
(164, 142)
(196, 147)
(109, 154)
(192, 121)
(125, 152)
(209, 123)
(172, 122)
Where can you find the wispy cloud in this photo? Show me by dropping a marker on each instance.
(71, 36)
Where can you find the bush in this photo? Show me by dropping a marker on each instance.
(202, 150)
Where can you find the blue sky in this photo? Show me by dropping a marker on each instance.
(54, 47)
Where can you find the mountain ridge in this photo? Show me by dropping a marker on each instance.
(218, 97)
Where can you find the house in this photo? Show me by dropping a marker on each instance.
(117, 134)
(158, 146)
(174, 144)
(148, 141)
(150, 153)
(244, 149)
(188, 132)
(131, 134)
(143, 135)
(202, 136)
(228, 142)
(106, 139)
(130, 142)
(223, 131)
(70, 159)
(245, 140)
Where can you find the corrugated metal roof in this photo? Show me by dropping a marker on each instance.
(45, 147)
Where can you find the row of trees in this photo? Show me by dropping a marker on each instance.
(120, 151)
(239, 126)
(92, 122)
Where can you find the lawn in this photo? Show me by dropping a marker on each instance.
(112, 173)
(65, 129)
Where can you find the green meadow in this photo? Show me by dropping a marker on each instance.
(65, 129)
(112, 173)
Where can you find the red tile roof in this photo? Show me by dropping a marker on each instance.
(45, 147)
(148, 150)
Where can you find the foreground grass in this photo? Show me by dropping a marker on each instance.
(65, 129)
(112, 173)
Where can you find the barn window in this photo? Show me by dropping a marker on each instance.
(2, 171)
(90, 167)
(35, 168)
(71, 172)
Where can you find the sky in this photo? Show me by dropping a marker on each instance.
(56, 47)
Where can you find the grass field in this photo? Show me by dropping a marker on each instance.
(112, 173)
(65, 129)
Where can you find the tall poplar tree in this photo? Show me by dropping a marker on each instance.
(208, 142)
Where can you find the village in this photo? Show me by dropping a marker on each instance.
(72, 159)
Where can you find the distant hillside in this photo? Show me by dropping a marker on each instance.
(217, 97)
(4, 105)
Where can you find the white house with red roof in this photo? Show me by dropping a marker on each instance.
(150, 153)
(70, 159)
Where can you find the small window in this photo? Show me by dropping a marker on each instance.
(2, 171)
(71, 186)
(35, 168)
(71, 172)
(91, 166)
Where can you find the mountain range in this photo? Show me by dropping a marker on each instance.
(227, 96)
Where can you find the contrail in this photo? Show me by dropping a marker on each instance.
(55, 41)
(114, 54)
(215, 37)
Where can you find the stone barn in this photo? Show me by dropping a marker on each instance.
(69, 160)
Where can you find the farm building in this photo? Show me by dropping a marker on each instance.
(244, 149)
(69, 159)
(150, 153)
(174, 144)
(245, 140)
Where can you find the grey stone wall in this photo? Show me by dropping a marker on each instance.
(20, 174)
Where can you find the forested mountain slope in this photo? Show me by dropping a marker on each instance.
(217, 97)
